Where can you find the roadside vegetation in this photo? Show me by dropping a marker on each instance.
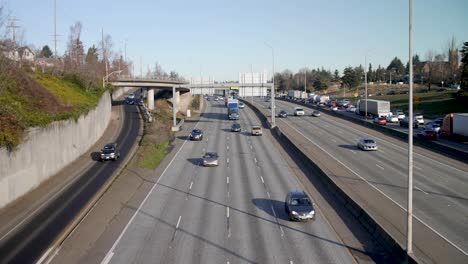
(156, 138)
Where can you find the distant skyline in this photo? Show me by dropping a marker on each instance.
(222, 38)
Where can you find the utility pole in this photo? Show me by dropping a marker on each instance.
(55, 29)
(12, 26)
(409, 229)
(104, 52)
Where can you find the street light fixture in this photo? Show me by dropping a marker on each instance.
(272, 92)
(106, 78)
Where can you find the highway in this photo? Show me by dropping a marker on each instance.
(233, 213)
(440, 183)
(28, 241)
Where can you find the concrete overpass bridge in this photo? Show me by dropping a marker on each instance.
(178, 87)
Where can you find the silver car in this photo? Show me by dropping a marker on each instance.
(210, 159)
(109, 152)
(367, 144)
(316, 113)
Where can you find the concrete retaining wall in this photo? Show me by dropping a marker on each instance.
(46, 150)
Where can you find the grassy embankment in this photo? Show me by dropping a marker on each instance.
(36, 100)
(432, 104)
(158, 134)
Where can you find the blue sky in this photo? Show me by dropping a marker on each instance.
(221, 38)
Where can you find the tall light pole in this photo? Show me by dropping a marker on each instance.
(272, 93)
(409, 229)
(305, 81)
(365, 80)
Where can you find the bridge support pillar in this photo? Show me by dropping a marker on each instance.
(150, 98)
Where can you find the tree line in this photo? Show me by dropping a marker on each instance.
(434, 69)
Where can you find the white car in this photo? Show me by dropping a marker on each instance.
(433, 126)
(334, 108)
(351, 109)
(419, 118)
(400, 115)
(392, 118)
(299, 111)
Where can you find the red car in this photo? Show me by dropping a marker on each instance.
(380, 121)
(427, 134)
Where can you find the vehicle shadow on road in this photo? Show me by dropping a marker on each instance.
(267, 204)
(195, 161)
(95, 156)
(353, 147)
(183, 137)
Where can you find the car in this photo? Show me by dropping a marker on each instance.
(298, 111)
(392, 118)
(208, 98)
(400, 115)
(131, 96)
(236, 127)
(334, 108)
(196, 134)
(380, 121)
(367, 144)
(210, 159)
(405, 123)
(241, 105)
(418, 117)
(109, 152)
(216, 98)
(427, 134)
(283, 113)
(351, 109)
(299, 207)
(316, 113)
(433, 126)
(257, 131)
(234, 116)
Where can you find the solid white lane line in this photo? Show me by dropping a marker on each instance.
(373, 186)
(107, 258)
(416, 187)
(261, 177)
(190, 187)
(382, 168)
(178, 222)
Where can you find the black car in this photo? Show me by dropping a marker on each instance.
(405, 123)
(299, 207)
(196, 134)
(236, 127)
(109, 152)
(283, 114)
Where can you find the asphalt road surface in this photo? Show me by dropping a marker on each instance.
(233, 213)
(440, 183)
(31, 240)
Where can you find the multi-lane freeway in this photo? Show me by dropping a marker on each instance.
(440, 185)
(233, 213)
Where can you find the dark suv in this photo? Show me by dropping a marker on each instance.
(299, 206)
(109, 152)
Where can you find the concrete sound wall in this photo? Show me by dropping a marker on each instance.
(46, 150)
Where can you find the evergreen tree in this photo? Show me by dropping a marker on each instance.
(464, 70)
(45, 52)
(337, 75)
